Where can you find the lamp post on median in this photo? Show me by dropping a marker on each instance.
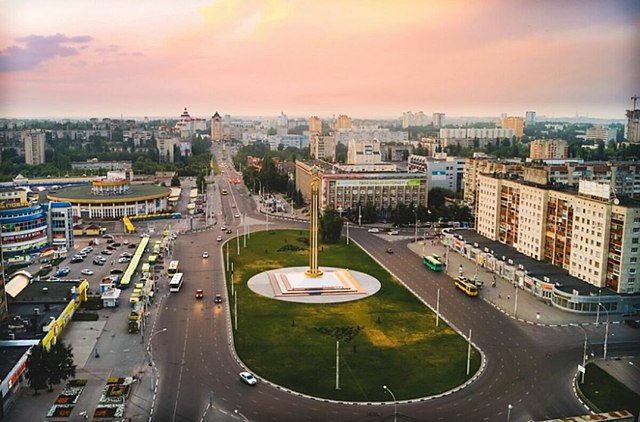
(606, 330)
(509, 407)
(151, 362)
(237, 412)
(395, 403)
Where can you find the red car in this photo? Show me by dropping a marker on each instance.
(199, 294)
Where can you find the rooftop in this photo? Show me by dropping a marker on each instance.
(80, 193)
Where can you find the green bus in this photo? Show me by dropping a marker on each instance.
(432, 263)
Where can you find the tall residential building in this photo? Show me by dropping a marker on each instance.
(548, 149)
(590, 232)
(364, 152)
(344, 122)
(446, 173)
(322, 147)
(437, 120)
(217, 132)
(315, 124)
(166, 148)
(601, 133)
(34, 144)
(414, 119)
(530, 118)
(632, 126)
(516, 123)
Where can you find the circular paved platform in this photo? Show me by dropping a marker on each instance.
(261, 285)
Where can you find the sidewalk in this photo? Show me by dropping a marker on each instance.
(503, 297)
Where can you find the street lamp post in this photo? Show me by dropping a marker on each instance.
(347, 232)
(151, 362)
(606, 330)
(359, 215)
(415, 237)
(395, 403)
(509, 407)
(584, 355)
(237, 412)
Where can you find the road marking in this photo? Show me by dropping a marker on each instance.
(184, 353)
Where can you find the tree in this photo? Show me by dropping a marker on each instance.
(175, 180)
(37, 371)
(330, 226)
(60, 364)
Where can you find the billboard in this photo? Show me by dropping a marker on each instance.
(376, 183)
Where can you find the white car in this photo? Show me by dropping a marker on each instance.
(205, 254)
(374, 230)
(219, 238)
(248, 378)
(124, 260)
(86, 271)
(236, 215)
(393, 232)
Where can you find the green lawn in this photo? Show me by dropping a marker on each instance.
(386, 339)
(607, 393)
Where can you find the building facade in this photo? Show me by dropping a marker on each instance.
(343, 136)
(589, 232)
(60, 224)
(632, 126)
(217, 131)
(23, 227)
(34, 146)
(315, 124)
(601, 133)
(322, 147)
(530, 118)
(548, 149)
(344, 122)
(363, 152)
(444, 173)
(515, 123)
(437, 120)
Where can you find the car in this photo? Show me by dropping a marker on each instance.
(46, 267)
(218, 299)
(199, 293)
(132, 246)
(374, 230)
(116, 271)
(125, 242)
(98, 262)
(223, 228)
(236, 215)
(116, 245)
(389, 250)
(229, 231)
(124, 260)
(111, 248)
(62, 272)
(219, 238)
(233, 205)
(248, 378)
(107, 236)
(106, 252)
(86, 271)
(205, 254)
(52, 279)
(393, 232)
(110, 240)
(126, 255)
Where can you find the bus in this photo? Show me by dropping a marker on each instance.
(432, 263)
(467, 286)
(173, 268)
(146, 268)
(153, 258)
(157, 246)
(224, 192)
(176, 282)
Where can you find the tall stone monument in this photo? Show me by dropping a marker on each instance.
(314, 214)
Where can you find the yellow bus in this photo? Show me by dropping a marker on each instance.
(468, 287)
(173, 268)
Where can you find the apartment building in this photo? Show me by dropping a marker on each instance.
(474, 137)
(322, 147)
(343, 136)
(530, 118)
(315, 124)
(587, 231)
(34, 146)
(548, 149)
(437, 119)
(344, 122)
(484, 165)
(632, 126)
(601, 133)
(515, 123)
(446, 173)
(363, 152)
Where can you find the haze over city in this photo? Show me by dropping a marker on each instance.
(75, 58)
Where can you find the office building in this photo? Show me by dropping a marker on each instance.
(446, 173)
(515, 123)
(34, 145)
(296, 141)
(548, 149)
(60, 224)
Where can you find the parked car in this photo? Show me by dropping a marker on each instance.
(86, 271)
(393, 232)
(116, 271)
(62, 272)
(229, 231)
(248, 378)
(116, 245)
(110, 240)
(77, 259)
(124, 260)
(236, 215)
(126, 255)
(111, 248)
(106, 252)
(219, 238)
(374, 230)
(132, 246)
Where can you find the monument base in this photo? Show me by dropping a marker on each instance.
(294, 282)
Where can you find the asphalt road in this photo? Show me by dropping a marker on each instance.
(529, 367)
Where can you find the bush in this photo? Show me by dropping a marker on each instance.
(93, 303)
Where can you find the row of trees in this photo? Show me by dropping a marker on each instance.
(46, 368)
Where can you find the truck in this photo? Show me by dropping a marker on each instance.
(135, 317)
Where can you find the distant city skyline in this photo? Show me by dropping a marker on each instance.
(78, 59)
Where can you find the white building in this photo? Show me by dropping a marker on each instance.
(437, 119)
(444, 173)
(297, 141)
(364, 152)
(322, 147)
(601, 133)
(343, 136)
(530, 118)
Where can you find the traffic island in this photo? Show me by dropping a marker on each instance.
(113, 399)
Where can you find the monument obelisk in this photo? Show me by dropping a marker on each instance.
(314, 213)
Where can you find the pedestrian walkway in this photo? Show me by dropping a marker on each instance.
(513, 301)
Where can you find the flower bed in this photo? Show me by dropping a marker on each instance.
(109, 411)
(67, 399)
(60, 411)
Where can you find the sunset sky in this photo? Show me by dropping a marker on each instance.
(364, 58)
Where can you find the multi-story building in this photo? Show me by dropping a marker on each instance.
(601, 133)
(34, 145)
(166, 145)
(437, 120)
(548, 149)
(632, 126)
(322, 147)
(414, 119)
(588, 232)
(188, 126)
(60, 224)
(24, 226)
(515, 123)
(363, 152)
(446, 173)
(474, 137)
(473, 167)
(350, 190)
(343, 136)
(344, 122)
(96, 165)
(297, 141)
(530, 118)
(315, 124)
(217, 132)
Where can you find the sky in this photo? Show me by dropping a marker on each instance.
(363, 58)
